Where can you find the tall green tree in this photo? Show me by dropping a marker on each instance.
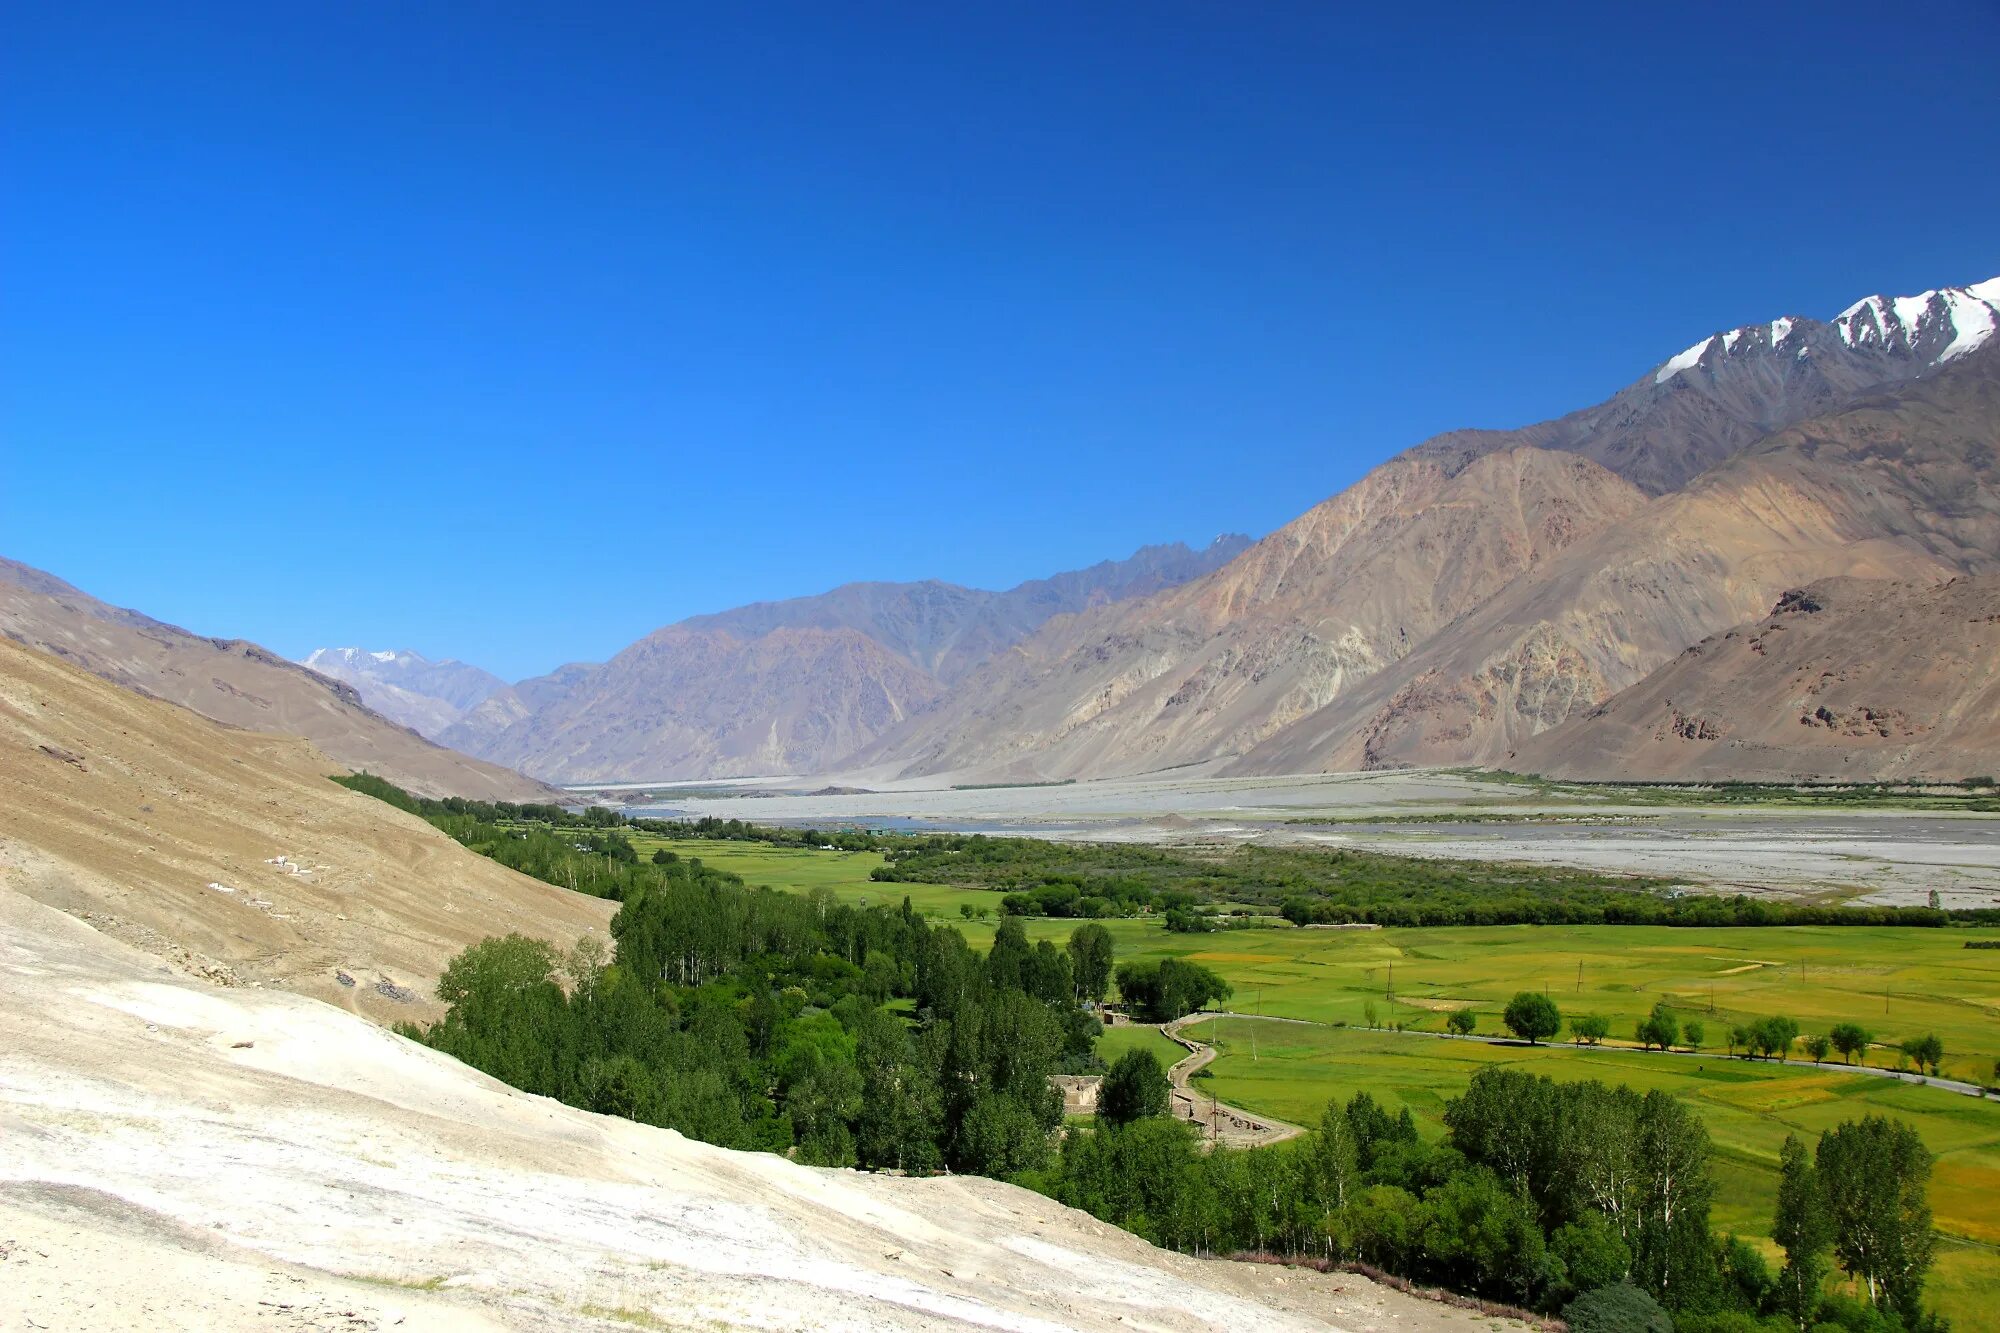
(1876, 1176)
(1091, 952)
(1850, 1039)
(1803, 1229)
(1532, 1016)
(1672, 1254)
(1136, 1087)
(1659, 1028)
(1329, 1177)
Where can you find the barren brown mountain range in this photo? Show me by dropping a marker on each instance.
(1487, 586)
(796, 686)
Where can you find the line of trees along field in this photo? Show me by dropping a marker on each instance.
(1575, 1197)
(1535, 1018)
(850, 1036)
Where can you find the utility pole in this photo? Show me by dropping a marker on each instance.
(1579, 976)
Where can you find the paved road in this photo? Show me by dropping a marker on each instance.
(1948, 1084)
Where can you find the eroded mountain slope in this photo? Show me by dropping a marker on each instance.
(1429, 630)
(1212, 668)
(1846, 678)
(241, 684)
(1903, 486)
(795, 686)
(706, 703)
(129, 812)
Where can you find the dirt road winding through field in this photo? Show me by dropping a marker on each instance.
(1222, 1123)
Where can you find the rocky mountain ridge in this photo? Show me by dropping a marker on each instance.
(407, 687)
(1414, 619)
(793, 686)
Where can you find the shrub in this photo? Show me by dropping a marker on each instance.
(1617, 1309)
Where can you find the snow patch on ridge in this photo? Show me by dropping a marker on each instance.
(1685, 361)
(1972, 319)
(1963, 317)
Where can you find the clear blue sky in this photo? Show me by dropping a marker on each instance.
(512, 332)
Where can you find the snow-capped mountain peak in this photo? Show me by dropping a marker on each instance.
(322, 658)
(408, 687)
(1734, 342)
(1936, 326)
(1931, 328)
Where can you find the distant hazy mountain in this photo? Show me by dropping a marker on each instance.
(1488, 585)
(946, 630)
(791, 686)
(239, 683)
(408, 687)
(1846, 678)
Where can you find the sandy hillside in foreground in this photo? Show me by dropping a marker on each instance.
(124, 810)
(183, 1156)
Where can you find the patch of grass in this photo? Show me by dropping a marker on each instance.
(400, 1283)
(1141, 1037)
(625, 1315)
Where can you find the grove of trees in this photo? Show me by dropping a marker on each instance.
(757, 1019)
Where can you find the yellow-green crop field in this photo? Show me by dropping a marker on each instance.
(1293, 1070)
(1896, 981)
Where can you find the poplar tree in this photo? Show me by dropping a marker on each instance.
(1803, 1228)
(1876, 1175)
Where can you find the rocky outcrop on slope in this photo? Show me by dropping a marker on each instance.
(1847, 679)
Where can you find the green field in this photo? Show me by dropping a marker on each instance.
(1897, 981)
(1293, 1070)
(1141, 1036)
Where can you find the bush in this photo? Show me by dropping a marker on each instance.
(1461, 1022)
(1617, 1309)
